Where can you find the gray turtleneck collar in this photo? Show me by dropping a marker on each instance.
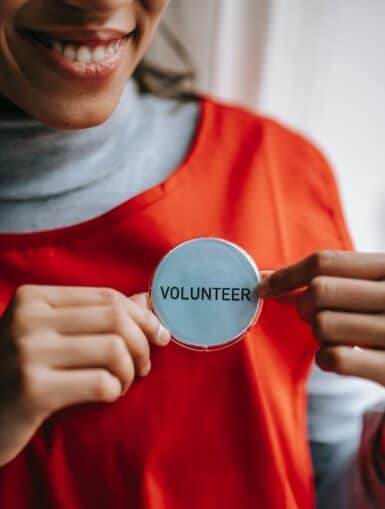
(51, 178)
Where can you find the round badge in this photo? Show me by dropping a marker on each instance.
(204, 292)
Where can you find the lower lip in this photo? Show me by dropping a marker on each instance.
(92, 71)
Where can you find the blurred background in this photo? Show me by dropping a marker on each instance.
(316, 65)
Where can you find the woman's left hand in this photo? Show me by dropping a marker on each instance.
(342, 295)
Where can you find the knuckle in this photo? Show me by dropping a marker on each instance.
(141, 353)
(30, 320)
(130, 374)
(116, 350)
(127, 328)
(24, 293)
(22, 320)
(120, 360)
(101, 389)
(322, 260)
(321, 325)
(318, 289)
(118, 317)
(111, 296)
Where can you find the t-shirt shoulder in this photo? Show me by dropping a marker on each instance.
(289, 154)
(285, 141)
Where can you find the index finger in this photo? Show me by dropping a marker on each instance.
(369, 266)
(70, 296)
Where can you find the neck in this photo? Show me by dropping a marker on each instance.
(32, 153)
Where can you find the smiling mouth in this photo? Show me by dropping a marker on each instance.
(94, 50)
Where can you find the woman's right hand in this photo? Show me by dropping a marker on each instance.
(60, 346)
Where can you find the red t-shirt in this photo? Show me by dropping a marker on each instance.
(216, 430)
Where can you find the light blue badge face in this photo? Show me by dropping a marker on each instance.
(203, 292)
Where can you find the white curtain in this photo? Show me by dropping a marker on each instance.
(317, 65)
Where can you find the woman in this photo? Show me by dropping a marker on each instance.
(86, 419)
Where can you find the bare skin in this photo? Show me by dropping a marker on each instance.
(62, 346)
(342, 296)
(28, 84)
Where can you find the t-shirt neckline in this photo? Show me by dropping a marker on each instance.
(101, 222)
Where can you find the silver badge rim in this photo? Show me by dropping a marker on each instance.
(252, 322)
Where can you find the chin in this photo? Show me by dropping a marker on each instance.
(77, 121)
(75, 114)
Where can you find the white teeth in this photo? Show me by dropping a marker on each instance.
(70, 52)
(99, 54)
(111, 49)
(84, 54)
(57, 46)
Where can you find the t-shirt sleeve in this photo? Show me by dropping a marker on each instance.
(335, 200)
(309, 196)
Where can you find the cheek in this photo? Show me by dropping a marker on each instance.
(148, 14)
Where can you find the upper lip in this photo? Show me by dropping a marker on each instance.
(82, 34)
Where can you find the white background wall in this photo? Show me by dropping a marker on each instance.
(317, 65)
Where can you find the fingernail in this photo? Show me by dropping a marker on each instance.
(163, 335)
